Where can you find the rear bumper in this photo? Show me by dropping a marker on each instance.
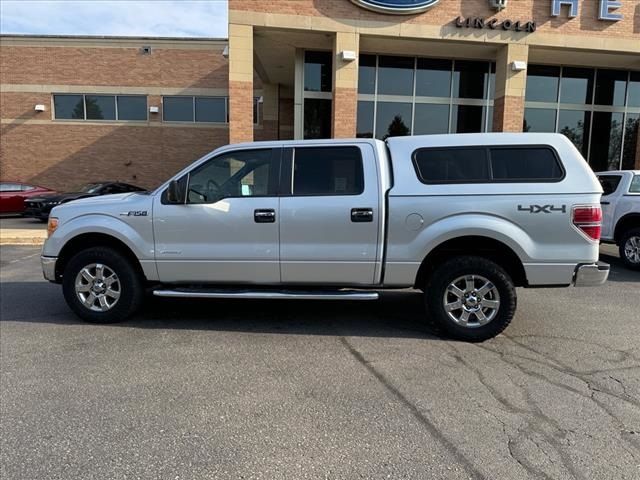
(49, 267)
(591, 274)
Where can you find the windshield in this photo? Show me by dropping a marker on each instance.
(90, 188)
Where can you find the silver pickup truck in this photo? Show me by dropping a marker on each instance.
(464, 218)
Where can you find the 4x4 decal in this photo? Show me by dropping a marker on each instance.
(542, 208)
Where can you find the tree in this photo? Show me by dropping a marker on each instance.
(397, 128)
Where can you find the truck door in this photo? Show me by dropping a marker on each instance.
(329, 215)
(226, 228)
(610, 185)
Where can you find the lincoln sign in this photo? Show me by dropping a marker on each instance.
(495, 24)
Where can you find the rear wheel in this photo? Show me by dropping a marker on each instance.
(630, 248)
(471, 298)
(101, 286)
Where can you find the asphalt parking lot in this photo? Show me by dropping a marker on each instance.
(270, 390)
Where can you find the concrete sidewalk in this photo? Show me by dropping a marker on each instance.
(22, 231)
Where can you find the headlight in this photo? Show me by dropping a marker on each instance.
(52, 226)
(53, 203)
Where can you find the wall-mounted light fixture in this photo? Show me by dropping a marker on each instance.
(225, 52)
(348, 55)
(498, 4)
(154, 109)
(39, 108)
(518, 65)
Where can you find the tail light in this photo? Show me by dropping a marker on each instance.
(588, 219)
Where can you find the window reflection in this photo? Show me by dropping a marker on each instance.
(606, 141)
(318, 71)
(634, 90)
(364, 126)
(367, 74)
(317, 118)
(433, 78)
(574, 124)
(539, 120)
(611, 87)
(576, 85)
(466, 119)
(395, 75)
(431, 119)
(631, 152)
(393, 120)
(542, 83)
(470, 79)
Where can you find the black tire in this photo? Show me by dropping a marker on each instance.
(629, 263)
(445, 274)
(130, 285)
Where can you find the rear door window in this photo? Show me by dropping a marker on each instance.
(452, 165)
(327, 171)
(609, 183)
(525, 164)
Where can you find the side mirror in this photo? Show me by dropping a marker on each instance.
(173, 193)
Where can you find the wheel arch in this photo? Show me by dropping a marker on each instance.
(630, 220)
(84, 241)
(474, 245)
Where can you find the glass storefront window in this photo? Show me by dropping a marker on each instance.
(539, 120)
(606, 141)
(574, 124)
(318, 71)
(542, 83)
(431, 119)
(433, 78)
(634, 90)
(317, 118)
(367, 74)
(395, 75)
(393, 119)
(611, 87)
(576, 85)
(364, 126)
(631, 139)
(470, 79)
(466, 119)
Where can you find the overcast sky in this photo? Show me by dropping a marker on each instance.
(161, 18)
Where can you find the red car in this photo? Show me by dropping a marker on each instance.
(13, 195)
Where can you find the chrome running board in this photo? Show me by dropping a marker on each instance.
(269, 294)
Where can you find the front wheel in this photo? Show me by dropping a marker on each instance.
(471, 298)
(630, 248)
(101, 286)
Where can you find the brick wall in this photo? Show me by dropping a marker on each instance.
(61, 154)
(446, 11)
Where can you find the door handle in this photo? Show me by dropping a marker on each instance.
(264, 215)
(360, 215)
(605, 203)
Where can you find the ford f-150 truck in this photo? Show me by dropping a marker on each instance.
(464, 218)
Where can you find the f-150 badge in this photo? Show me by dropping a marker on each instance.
(542, 208)
(134, 213)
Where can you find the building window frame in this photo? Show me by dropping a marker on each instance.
(193, 110)
(487, 102)
(591, 108)
(84, 107)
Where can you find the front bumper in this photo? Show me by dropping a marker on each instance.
(591, 275)
(49, 267)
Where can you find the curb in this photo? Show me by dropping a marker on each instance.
(33, 241)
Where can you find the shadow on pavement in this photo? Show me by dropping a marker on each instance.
(396, 314)
(619, 272)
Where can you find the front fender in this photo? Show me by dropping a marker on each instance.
(139, 239)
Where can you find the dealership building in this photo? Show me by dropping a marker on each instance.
(80, 109)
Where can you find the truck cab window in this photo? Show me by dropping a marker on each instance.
(236, 174)
(609, 183)
(328, 171)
